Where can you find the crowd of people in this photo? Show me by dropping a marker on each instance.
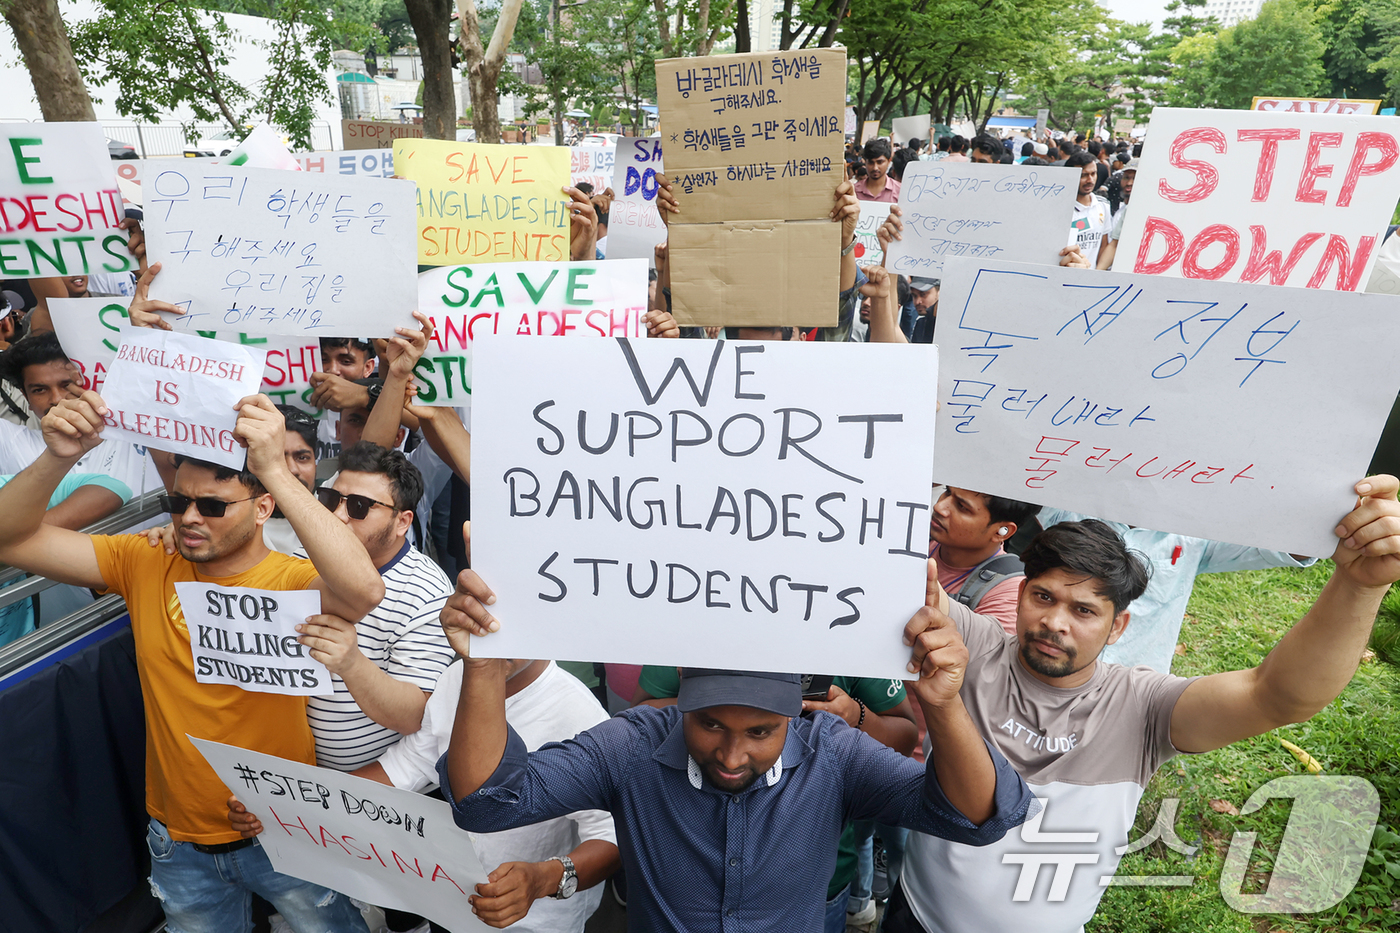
(1039, 686)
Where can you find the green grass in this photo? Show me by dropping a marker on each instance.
(1232, 621)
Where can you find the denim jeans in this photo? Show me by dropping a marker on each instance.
(836, 912)
(893, 838)
(203, 893)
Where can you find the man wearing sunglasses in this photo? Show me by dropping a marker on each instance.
(201, 871)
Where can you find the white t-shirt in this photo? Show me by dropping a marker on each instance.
(554, 708)
(121, 460)
(111, 284)
(1087, 227)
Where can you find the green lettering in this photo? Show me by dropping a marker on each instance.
(427, 392)
(493, 288)
(248, 341)
(56, 261)
(124, 257)
(6, 259)
(102, 319)
(82, 249)
(461, 288)
(17, 144)
(571, 292)
(535, 296)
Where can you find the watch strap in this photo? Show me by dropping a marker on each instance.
(570, 875)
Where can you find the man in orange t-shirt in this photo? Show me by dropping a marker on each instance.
(218, 515)
(967, 532)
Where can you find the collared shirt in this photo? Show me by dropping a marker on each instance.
(702, 860)
(889, 194)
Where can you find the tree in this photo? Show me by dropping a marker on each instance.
(43, 44)
(484, 64)
(1355, 34)
(432, 24)
(696, 29)
(1278, 53)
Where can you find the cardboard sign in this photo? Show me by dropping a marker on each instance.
(482, 203)
(903, 129)
(90, 331)
(528, 299)
(689, 496)
(1276, 198)
(1124, 125)
(753, 147)
(364, 134)
(60, 207)
(266, 251)
(592, 164)
(634, 226)
(388, 846)
(870, 129)
(176, 392)
(1200, 408)
(247, 638)
(1315, 105)
(1012, 212)
(872, 215)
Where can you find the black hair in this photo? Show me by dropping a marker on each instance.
(876, 149)
(901, 158)
(405, 482)
(1002, 509)
(1028, 148)
(957, 144)
(221, 473)
(354, 343)
(301, 422)
(1034, 160)
(902, 290)
(1137, 150)
(1091, 548)
(1079, 159)
(585, 187)
(989, 144)
(943, 143)
(35, 349)
(1007, 158)
(1094, 147)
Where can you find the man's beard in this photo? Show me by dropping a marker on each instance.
(1049, 667)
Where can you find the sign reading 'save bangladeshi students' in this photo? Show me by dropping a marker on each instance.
(1297, 199)
(1012, 212)
(389, 846)
(1208, 409)
(753, 147)
(634, 226)
(1316, 105)
(176, 392)
(59, 205)
(267, 251)
(664, 501)
(483, 203)
(527, 299)
(247, 638)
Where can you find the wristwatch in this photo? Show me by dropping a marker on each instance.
(373, 391)
(569, 883)
(849, 247)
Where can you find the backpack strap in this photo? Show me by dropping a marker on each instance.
(987, 575)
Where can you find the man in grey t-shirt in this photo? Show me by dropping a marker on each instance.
(1086, 735)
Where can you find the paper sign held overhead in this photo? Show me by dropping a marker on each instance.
(872, 215)
(870, 129)
(266, 251)
(903, 129)
(1297, 199)
(636, 492)
(175, 392)
(634, 226)
(388, 846)
(247, 638)
(1199, 408)
(60, 208)
(1315, 105)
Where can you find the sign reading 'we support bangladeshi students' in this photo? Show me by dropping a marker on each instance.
(526, 299)
(176, 392)
(59, 205)
(247, 638)
(663, 501)
(387, 846)
(1277, 198)
(484, 203)
(1208, 409)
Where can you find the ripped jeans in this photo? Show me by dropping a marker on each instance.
(203, 893)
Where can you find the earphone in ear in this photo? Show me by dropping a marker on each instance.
(1003, 530)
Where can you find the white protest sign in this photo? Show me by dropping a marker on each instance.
(387, 846)
(90, 331)
(267, 251)
(1257, 196)
(903, 129)
(592, 164)
(60, 207)
(175, 392)
(526, 299)
(247, 638)
(634, 226)
(709, 503)
(1019, 213)
(1199, 408)
(376, 163)
(872, 215)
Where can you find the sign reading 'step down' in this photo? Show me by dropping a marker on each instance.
(1276, 198)
(247, 638)
(1200, 408)
(390, 847)
(760, 493)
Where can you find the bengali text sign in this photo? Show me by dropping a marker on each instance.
(247, 638)
(632, 493)
(634, 226)
(1201, 408)
(1277, 198)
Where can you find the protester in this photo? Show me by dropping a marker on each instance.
(957, 149)
(1120, 212)
(1091, 219)
(987, 149)
(344, 362)
(877, 185)
(967, 536)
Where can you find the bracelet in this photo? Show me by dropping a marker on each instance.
(861, 704)
(849, 247)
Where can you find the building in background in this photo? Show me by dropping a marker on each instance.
(1230, 12)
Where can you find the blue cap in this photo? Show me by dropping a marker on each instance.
(703, 687)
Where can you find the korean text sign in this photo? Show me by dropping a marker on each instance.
(388, 846)
(663, 501)
(528, 299)
(634, 226)
(1013, 212)
(1200, 408)
(267, 251)
(1271, 197)
(59, 205)
(175, 392)
(592, 164)
(483, 203)
(247, 638)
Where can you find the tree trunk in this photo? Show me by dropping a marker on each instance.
(431, 20)
(742, 42)
(484, 65)
(43, 43)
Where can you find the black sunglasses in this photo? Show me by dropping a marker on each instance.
(208, 506)
(357, 506)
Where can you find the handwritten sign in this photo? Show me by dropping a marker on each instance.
(175, 392)
(90, 331)
(59, 204)
(364, 134)
(528, 299)
(1201, 408)
(483, 203)
(761, 493)
(1012, 212)
(903, 129)
(375, 163)
(267, 251)
(1315, 105)
(592, 164)
(634, 226)
(1249, 196)
(388, 846)
(247, 638)
(872, 215)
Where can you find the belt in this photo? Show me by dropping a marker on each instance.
(223, 847)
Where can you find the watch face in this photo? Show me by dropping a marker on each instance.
(569, 886)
